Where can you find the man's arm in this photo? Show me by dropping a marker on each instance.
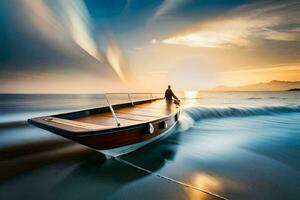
(165, 94)
(174, 95)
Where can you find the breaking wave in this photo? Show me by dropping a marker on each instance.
(192, 114)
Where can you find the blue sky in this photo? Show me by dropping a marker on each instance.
(152, 43)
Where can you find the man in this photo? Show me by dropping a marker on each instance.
(169, 95)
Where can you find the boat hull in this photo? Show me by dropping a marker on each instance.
(118, 151)
(119, 140)
(123, 136)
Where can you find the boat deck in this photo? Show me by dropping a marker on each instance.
(128, 116)
(132, 115)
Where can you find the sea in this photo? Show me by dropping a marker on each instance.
(227, 145)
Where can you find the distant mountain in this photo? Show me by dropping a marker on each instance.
(274, 85)
(295, 89)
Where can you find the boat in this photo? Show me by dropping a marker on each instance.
(115, 129)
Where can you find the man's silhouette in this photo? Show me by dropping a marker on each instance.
(169, 95)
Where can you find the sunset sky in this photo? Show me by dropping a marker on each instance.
(89, 46)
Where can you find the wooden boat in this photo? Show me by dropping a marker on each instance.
(115, 129)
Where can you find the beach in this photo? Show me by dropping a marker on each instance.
(227, 145)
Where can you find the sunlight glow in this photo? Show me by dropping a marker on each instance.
(190, 94)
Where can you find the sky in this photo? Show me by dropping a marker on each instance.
(87, 46)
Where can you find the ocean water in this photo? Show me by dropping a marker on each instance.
(227, 145)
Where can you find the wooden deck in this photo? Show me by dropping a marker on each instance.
(132, 115)
(127, 116)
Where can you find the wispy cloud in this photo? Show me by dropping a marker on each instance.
(117, 60)
(269, 68)
(167, 6)
(68, 27)
(264, 73)
(78, 22)
(242, 26)
(67, 22)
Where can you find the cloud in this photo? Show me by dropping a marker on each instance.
(78, 22)
(68, 21)
(58, 35)
(243, 26)
(266, 73)
(269, 68)
(167, 6)
(118, 61)
(43, 33)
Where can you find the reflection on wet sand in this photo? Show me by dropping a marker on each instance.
(206, 182)
(198, 186)
(64, 171)
(68, 168)
(75, 168)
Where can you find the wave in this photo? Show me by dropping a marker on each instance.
(192, 114)
(10, 124)
(209, 112)
(15, 119)
(257, 98)
(254, 98)
(277, 98)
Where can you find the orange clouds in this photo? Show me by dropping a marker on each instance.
(242, 26)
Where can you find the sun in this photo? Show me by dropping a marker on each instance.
(190, 94)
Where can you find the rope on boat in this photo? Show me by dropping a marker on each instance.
(169, 179)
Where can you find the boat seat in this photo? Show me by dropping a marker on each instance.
(73, 123)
